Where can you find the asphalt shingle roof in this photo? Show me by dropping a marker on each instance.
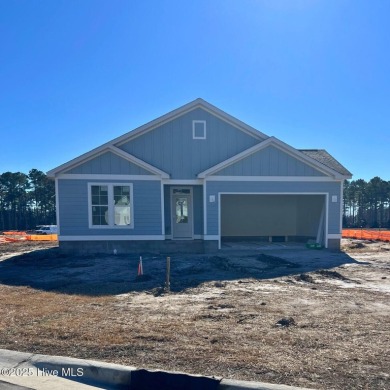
(323, 157)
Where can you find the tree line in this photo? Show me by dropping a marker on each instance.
(26, 200)
(367, 204)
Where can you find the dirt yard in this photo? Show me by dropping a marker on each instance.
(308, 318)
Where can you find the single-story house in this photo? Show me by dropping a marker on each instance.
(191, 180)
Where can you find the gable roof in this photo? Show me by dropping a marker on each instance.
(107, 148)
(317, 158)
(328, 170)
(323, 157)
(197, 103)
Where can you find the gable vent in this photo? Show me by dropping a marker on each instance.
(198, 129)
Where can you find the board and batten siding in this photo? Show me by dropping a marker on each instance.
(108, 163)
(264, 187)
(73, 208)
(171, 147)
(198, 209)
(270, 161)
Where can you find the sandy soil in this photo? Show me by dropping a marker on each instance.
(309, 318)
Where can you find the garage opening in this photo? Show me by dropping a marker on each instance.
(273, 218)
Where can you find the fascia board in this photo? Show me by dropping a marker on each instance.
(78, 160)
(123, 138)
(308, 160)
(98, 152)
(235, 158)
(198, 103)
(154, 123)
(129, 157)
(280, 145)
(158, 122)
(231, 119)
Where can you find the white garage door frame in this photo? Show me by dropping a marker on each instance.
(326, 194)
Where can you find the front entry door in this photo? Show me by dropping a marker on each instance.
(182, 213)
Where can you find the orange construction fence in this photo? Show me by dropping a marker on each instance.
(42, 237)
(363, 234)
(4, 239)
(22, 236)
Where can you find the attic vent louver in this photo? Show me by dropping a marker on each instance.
(198, 129)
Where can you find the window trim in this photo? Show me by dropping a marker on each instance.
(194, 122)
(111, 212)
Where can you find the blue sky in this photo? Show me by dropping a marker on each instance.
(76, 74)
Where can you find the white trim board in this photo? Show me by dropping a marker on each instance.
(334, 236)
(129, 157)
(81, 176)
(271, 141)
(57, 195)
(274, 193)
(183, 182)
(341, 204)
(197, 103)
(102, 150)
(211, 237)
(75, 162)
(273, 178)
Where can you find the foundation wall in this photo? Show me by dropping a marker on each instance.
(156, 246)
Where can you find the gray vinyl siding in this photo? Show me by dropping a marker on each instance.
(197, 193)
(270, 161)
(171, 147)
(73, 208)
(109, 163)
(216, 187)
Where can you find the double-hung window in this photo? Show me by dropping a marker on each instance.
(110, 205)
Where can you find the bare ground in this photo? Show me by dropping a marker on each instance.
(306, 318)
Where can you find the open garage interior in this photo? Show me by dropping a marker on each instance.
(272, 218)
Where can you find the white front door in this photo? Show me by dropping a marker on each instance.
(182, 226)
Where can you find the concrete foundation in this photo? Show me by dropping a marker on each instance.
(334, 244)
(166, 246)
(159, 247)
(302, 239)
